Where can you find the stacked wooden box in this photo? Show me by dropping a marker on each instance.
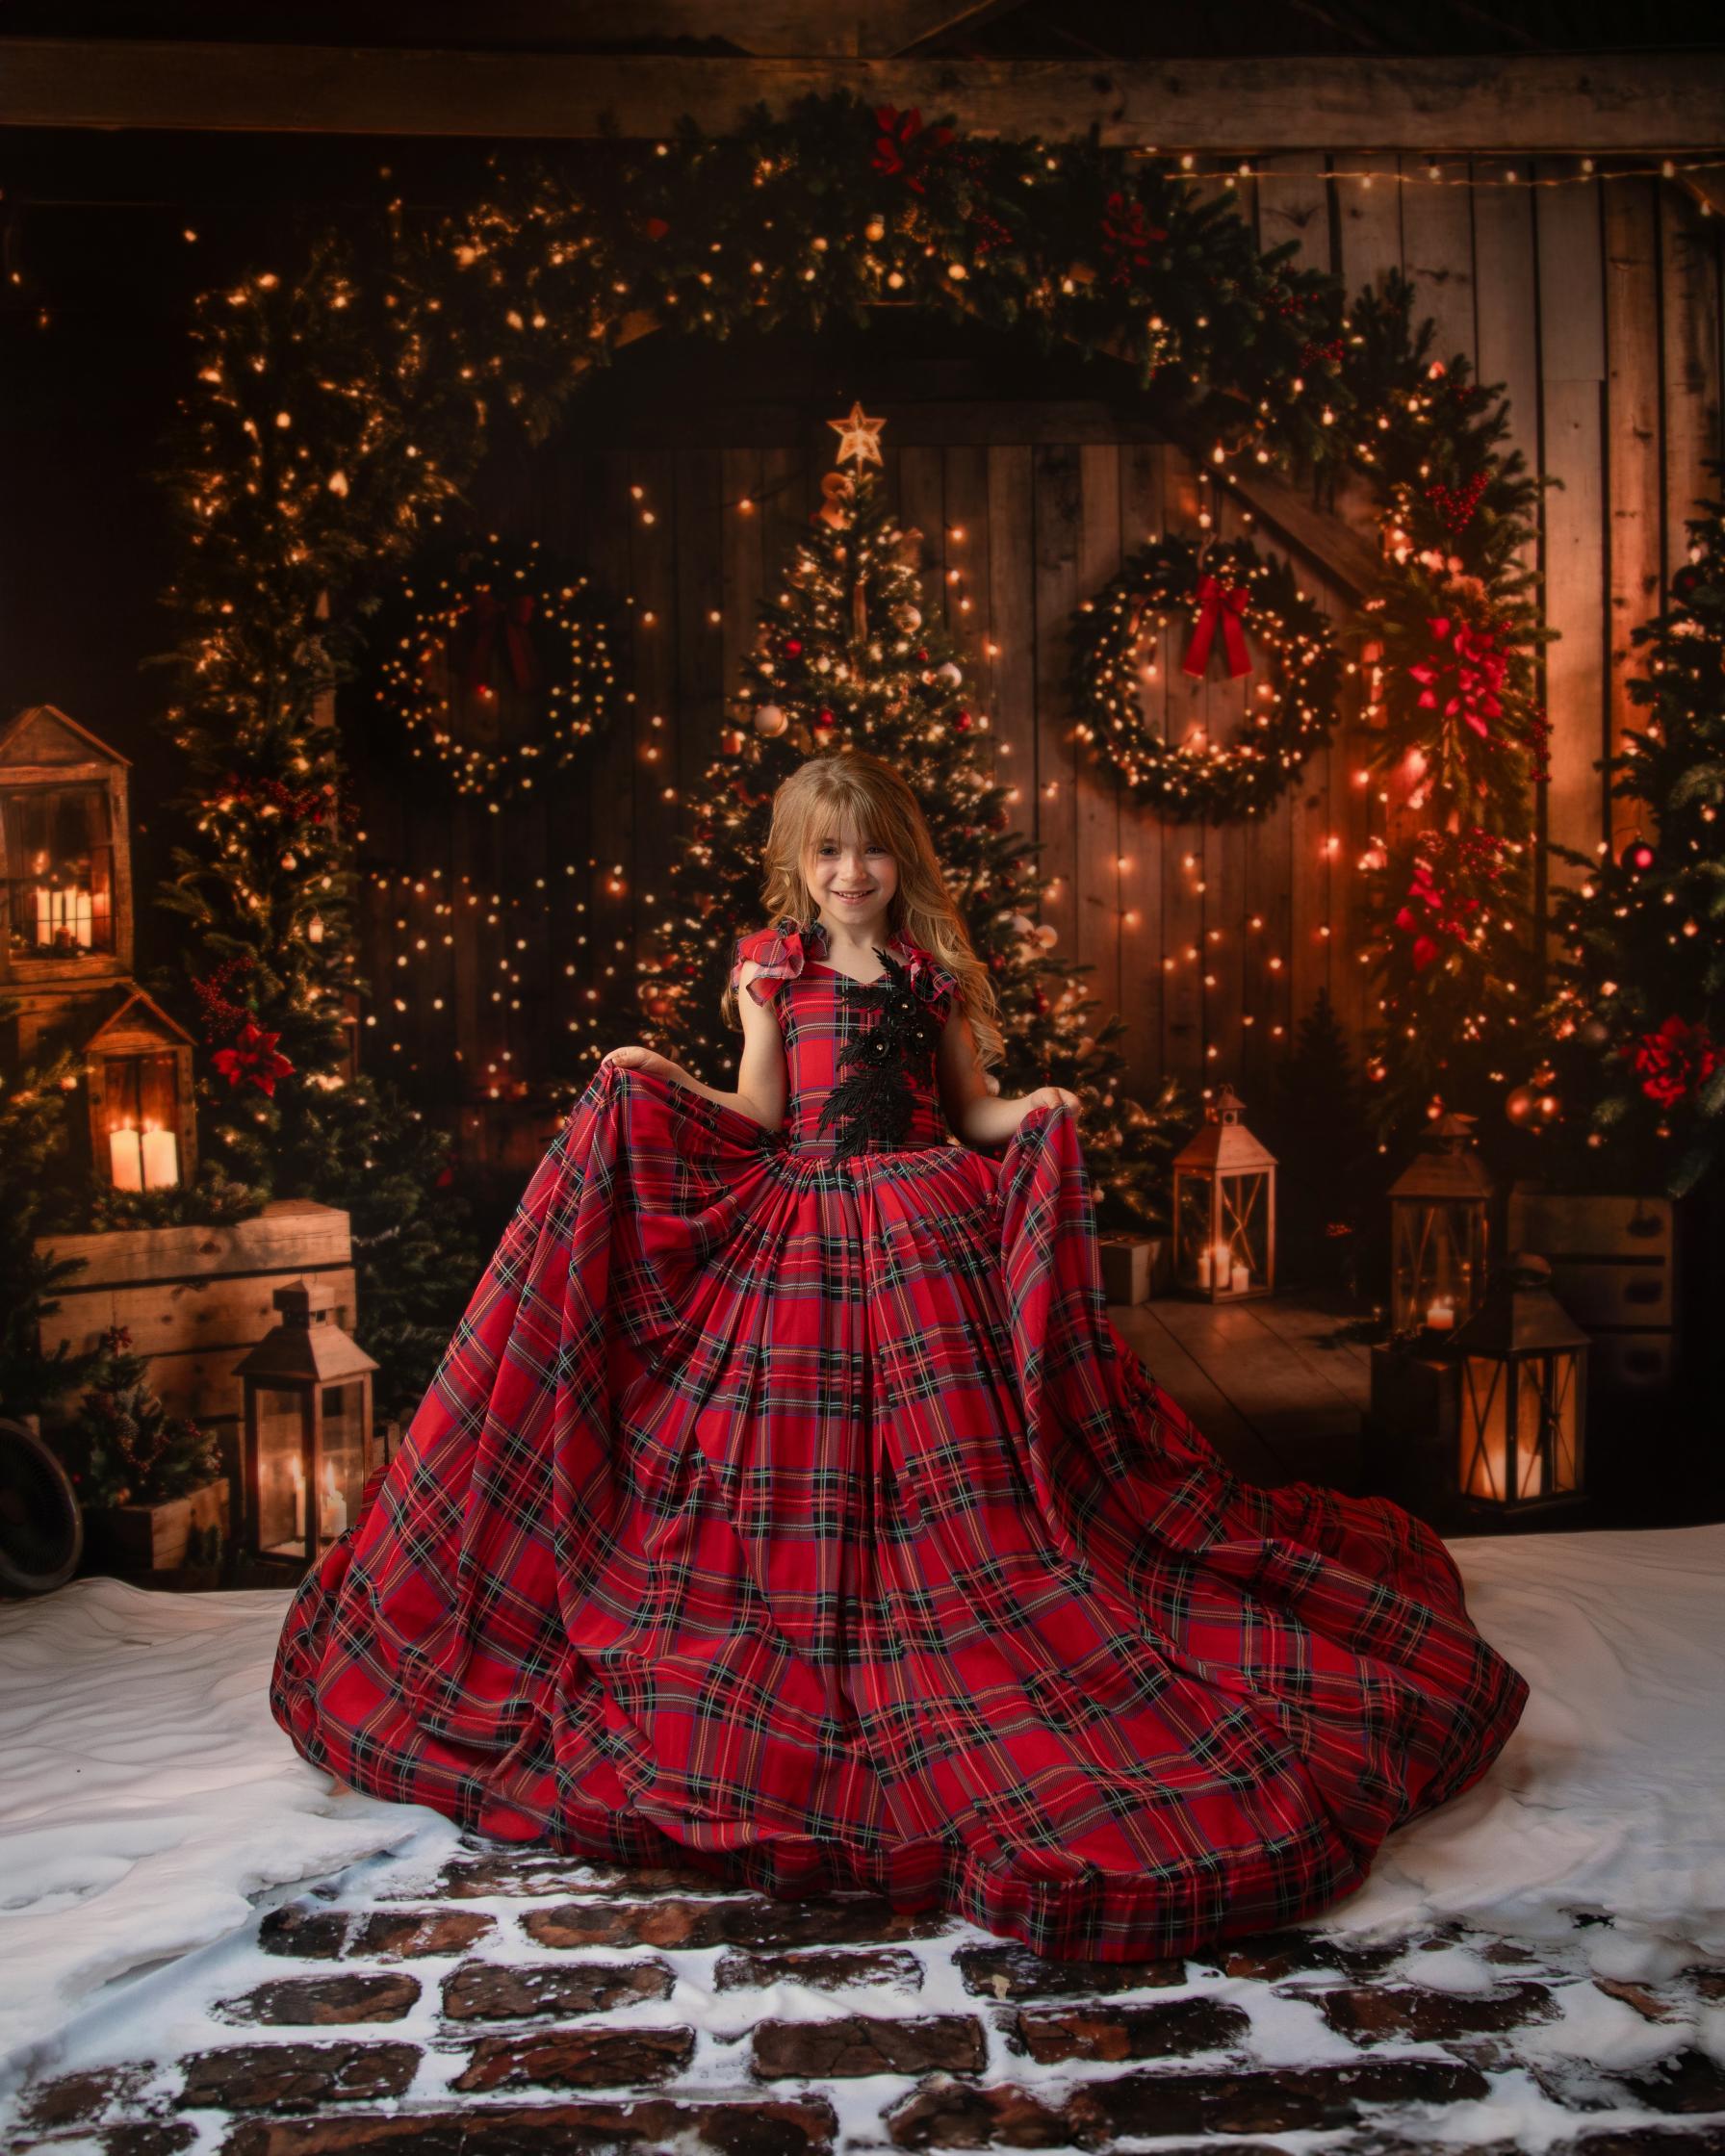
(195, 1298)
(1613, 1269)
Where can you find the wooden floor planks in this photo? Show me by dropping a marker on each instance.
(1269, 1383)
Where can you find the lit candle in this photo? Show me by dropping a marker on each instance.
(334, 1508)
(1203, 1267)
(125, 1158)
(296, 1468)
(1219, 1260)
(1239, 1278)
(81, 919)
(1440, 1316)
(44, 915)
(161, 1157)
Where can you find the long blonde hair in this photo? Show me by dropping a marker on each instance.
(852, 789)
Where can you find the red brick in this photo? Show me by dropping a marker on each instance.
(645, 2126)
(605, 2058)
(418, 1933)
(1014, 1972)
(324, 2001)
(825, 1972)
(958, 2114)
(488, 1992)
(752, 1921)
(857, 2044)
(1164, 2029)
(296, 2076)
(304, 1930)
(1288, 2100)
(1369, 2012)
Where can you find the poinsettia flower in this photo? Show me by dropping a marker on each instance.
(253, 1058)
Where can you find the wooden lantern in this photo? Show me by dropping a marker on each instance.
(143, 1114)
(308, 1443)
(1439, 1208)
(65, 868)
(1224, 1209)
(1523, 1362)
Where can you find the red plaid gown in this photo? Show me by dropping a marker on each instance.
(799, 1515)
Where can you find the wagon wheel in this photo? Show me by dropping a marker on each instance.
(42, 1528)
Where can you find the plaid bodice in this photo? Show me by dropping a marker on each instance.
(859, 1055)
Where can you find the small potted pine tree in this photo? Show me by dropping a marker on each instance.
(151, 1486)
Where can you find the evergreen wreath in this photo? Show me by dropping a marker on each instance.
(501, 667)
(1214, 596)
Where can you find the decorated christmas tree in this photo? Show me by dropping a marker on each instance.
(847, 655)
(1632, 1086)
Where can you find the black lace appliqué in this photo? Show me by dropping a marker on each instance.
(876, 1099)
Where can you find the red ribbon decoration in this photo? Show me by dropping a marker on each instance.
(483, 616)
(1223, 603)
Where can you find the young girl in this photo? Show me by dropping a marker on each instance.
(786, 1504)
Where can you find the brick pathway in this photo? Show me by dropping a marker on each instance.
(523, 2004)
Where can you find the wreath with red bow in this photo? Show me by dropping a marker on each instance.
(500, 666)
(1179, 613)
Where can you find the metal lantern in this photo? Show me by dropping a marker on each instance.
(1523, 1362)
(64, 871)
(1438, 1229)
(1225, 1208)
(309, 1442)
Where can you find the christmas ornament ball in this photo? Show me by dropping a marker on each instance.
(1522, 1106)
(950, 675)
(770, 720)
(1638, 856)
(908, 618)
(1594, 1033)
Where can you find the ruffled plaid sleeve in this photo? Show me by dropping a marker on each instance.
(935, 984)
(778, 952)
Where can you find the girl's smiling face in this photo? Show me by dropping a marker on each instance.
(852, 881)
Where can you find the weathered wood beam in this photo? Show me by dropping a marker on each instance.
(1533, 103)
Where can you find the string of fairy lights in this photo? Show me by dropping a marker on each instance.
(501, 307)
(520, 963)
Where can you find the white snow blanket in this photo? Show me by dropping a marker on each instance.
(147, 1794)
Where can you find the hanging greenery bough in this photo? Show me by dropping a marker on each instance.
(1219, 597)
(340, 411)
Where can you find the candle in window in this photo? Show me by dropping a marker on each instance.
(1203, 1267)
(1440, 1316)
(1239, 1278)
(80, 922)
(296, 1469)
(161, 1158)
(44, 915)
(125, 1158)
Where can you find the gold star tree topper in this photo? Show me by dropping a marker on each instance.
(858, 436)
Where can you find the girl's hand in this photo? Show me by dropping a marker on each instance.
(640, 1059)
(1051, 1097)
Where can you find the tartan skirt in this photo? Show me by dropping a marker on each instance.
(806, 1522)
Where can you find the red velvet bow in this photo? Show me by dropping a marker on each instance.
(1223, 603)
(482, 617)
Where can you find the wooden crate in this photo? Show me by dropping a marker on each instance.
(154, 1537)
(195, 1298)
(1614, 1264)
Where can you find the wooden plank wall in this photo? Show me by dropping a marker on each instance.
(1598, 302)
